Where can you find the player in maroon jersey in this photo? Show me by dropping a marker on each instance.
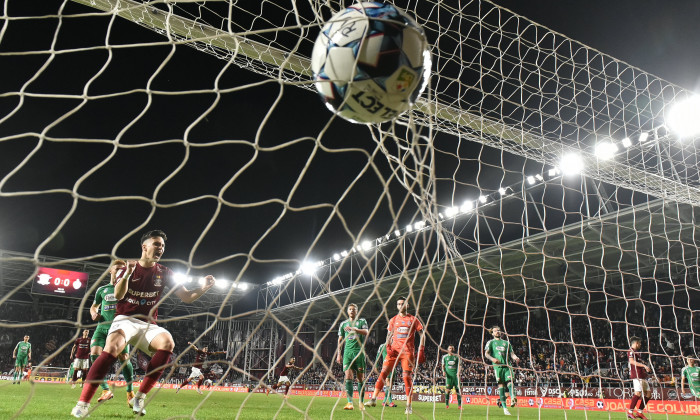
(199, 359)
(138, 292)
(81, 350)
(638, 374)
(284, 377)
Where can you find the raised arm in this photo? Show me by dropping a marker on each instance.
(122, 285)
(189, 296)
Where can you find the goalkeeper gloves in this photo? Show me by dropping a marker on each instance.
(421, 355)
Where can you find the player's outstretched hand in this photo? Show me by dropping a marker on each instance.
(209, 282)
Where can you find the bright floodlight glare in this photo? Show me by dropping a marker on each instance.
(502, 191)
(643, 137)
(182, 278)
(451, 211)
(626, 142)
(467, 206)
(366, 245)
(571, 164)
(684, 117)
(336, 257)
(483, 198)
(308, 267)
(419, 225)
(221, 283)
(539, 177)
(397, 233)
(530, 180)
(201, 280)
(243, 286)
(409, 228)
(344, 253)
(606, 150)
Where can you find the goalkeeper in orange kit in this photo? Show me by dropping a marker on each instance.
(400, 348)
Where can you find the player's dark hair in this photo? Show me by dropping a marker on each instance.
(635, 339)
(153, 234)
(401, 298)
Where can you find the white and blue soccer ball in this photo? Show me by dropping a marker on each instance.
(370, 62)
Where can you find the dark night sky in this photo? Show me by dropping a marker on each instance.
(660, 37)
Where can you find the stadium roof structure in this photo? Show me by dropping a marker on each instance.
(640, 253)
(17, 270)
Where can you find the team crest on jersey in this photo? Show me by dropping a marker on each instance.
(158, 281)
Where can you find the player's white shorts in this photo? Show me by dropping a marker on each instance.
(81, 364)
(283, 380)
(640, 385)
(138, 333)
(196, 373)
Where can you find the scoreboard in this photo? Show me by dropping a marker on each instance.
(57, 282)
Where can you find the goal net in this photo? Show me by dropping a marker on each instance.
(538, 185)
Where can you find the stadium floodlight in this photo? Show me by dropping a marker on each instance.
(243, 286)
(539, 177)
(502, 191)
(419, 225)
(467, 206)
(483, 199)
(530, 180)
(344, 254)
(221, 283)
(606, 150)
(571, 164)
(626, 142)
(181, 278)
(684, 117)
(366, 245)
(397, 233)
(451, 211)
(308, 267)
(409, 228)
(643, 137)
(336, 257)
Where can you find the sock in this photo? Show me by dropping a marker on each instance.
(380, 382)
(200, 382)
(643, 402)
(447, 397)
(14, 376)
(408, 384)
(186, 382)
(459, 398)
(159, 359)
(634, 401)
(510, 391)
(84, 373)
(502, 395)
(361, 390)
(96, 375)
(286, 389)
(128, 372)
(103, 385)
(348, 389)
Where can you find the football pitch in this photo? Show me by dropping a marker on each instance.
(55, 401)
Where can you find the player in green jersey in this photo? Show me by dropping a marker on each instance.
(351, 334)
(22, 355)
(381, 355)
(691, 373)
(451, 368)
(103, 310)
(500, 352)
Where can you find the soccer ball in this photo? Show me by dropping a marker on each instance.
(370, 62)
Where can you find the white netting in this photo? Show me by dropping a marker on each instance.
(108, 129)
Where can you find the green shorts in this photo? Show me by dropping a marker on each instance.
(99, 339)
(21, 361)
(353, 360)
(504, 374)
(451, 381)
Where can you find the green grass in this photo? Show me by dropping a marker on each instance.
(55, 401)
